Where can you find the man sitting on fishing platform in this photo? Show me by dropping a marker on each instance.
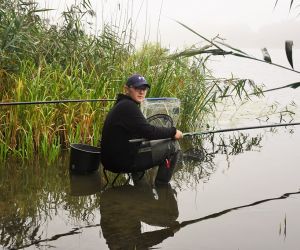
(125, 121)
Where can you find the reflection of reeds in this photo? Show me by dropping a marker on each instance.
(32, 196)
(282, 227)
(198, 154)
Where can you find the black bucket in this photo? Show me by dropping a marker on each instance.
(84, 158)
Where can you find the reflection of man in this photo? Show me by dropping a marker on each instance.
(124, 208)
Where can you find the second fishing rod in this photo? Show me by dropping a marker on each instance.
(198, 133)
(75, 101)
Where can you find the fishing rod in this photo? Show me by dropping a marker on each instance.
(54, 102)
(75, 101)
(220, 131)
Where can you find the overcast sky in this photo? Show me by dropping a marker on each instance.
(244, 23)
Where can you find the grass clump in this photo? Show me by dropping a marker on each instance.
(42, 62)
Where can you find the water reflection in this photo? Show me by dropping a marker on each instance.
(23, 201)
(123, 210)
(234, 144)
(84, 196)
(197, 161)
(33, 196)
(84, 185)
(282, 228)
(225, 211)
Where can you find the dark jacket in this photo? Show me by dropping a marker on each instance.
(125, 121)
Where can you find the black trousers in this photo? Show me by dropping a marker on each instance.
(164, 154)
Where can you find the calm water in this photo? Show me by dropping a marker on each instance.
(208, 205)
(231, 191)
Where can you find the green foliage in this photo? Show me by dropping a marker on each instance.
(40, 62)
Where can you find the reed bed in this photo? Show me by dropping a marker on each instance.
(40, 62)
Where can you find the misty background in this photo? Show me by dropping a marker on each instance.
(245, 24)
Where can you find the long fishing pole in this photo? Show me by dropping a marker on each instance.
(221, 131)
(75, 101)
(54, 102)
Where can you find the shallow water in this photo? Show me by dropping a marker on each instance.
(208, 204)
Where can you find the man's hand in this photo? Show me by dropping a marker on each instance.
(178, 135)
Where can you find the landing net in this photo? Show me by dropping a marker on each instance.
(168, 106)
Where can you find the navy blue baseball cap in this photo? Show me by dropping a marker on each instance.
(136, 81)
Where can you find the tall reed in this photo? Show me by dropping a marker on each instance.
(39, 61)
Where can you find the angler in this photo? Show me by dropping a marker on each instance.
(125, 121)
